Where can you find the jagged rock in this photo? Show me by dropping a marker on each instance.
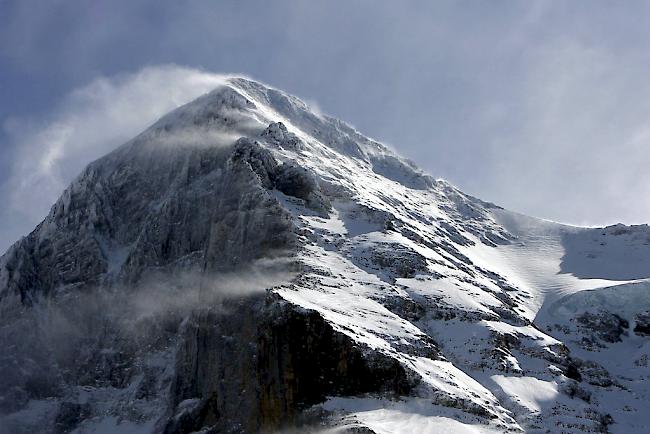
(642, 324)
(605, 326)
(406, 308)
(292, 360)
(277, 134)
(296, 181)
(595, 374)
(573, 390)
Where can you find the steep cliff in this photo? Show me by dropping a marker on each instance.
(248, 265)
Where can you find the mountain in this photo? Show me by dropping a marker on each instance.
(248, 265)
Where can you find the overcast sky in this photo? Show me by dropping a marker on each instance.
(541, 107)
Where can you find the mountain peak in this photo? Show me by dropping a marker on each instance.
(246, 264)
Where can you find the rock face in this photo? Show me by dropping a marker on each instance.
(607, 327)
(247, 265)
(642, 324)
(145, 214)
(116, 221)
(292, 360)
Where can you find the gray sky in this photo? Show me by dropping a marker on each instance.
(541, 107)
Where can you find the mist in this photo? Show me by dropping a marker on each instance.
(69, 339)
(92, 120)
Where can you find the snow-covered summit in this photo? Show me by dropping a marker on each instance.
(247, 263)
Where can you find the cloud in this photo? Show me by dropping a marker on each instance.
(89, 122)
(186, 291)
(579, 149)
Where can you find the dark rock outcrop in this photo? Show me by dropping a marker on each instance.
(604, 326)
(642, 324)
(261, 361)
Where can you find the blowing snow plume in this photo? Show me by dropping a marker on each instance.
(91, 121)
